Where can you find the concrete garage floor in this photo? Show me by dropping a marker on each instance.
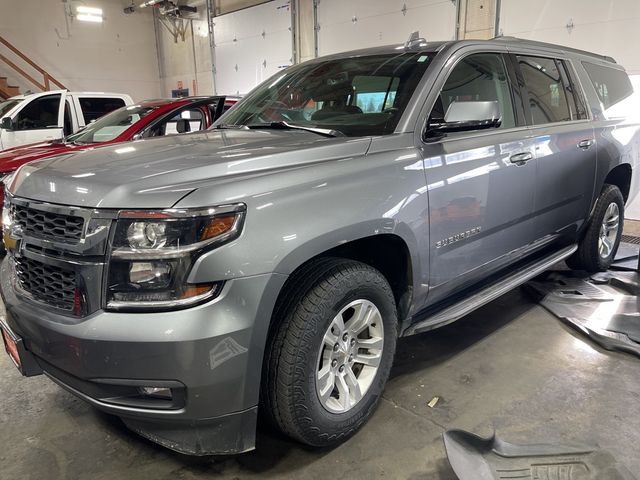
(510, 366)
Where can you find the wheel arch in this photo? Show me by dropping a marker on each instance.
(394, 254)
(620, 176)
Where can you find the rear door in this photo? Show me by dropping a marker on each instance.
(564, 144)
(480, 183)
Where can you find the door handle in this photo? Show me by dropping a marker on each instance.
(586, 144)
(521, 158)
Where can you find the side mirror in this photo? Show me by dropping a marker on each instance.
(466, 116)
(6, 123)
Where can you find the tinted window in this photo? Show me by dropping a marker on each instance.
(324, 94)
(39, 113)
(95, 107)
(612, 85)
(479, 77)
(575, 93)
(548, 94)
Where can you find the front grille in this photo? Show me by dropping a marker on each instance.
(46, 283)
(41, 224)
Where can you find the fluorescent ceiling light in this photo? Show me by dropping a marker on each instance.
(90, 10)
(89, 18)
(89, 14)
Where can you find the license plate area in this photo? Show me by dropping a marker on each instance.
(20, 356)
(11, 346)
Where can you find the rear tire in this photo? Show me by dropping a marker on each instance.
(315, 389)
(599, 246)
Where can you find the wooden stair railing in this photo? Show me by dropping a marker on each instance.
(6, 90)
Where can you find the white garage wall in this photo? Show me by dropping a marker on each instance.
(189, 60)
(351, 24)
(251, 45)
(609, 27)
(118, 55)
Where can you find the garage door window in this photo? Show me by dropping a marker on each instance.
(95, 107)
(375, 94)
(479, 77)
(550, 96)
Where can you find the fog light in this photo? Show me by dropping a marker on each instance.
(157, 392)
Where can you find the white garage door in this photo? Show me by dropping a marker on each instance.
(251, 45)
(351, 24)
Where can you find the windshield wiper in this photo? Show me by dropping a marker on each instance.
(228, 126)
(326, 132)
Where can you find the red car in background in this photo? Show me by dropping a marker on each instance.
(151, 118)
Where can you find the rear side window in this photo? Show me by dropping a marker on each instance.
(551, 98)
(95, 107)
(612, 85)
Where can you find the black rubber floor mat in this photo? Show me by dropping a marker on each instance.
(476, 458)
(626, 257)
(605, 306)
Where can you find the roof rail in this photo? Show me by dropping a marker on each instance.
(536, 43)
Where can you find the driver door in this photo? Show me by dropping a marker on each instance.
(480, 183)
(39, 120)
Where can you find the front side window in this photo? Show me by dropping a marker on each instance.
(111, 125)
(357, 96)
(550, 98)
(39, 113)
(479, 77)
(95, 107)
(613, 87)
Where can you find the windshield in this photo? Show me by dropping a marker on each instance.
(111, 125)
(355, 96)
(8, 105)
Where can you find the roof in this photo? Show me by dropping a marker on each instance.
(426, 46)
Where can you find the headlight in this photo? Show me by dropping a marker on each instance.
(153, 252)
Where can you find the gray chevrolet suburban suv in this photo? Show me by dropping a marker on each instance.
(270, 264)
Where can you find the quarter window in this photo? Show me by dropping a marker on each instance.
(478, 77)
(612, 86)
(550, 98)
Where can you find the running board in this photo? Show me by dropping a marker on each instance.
(486, 295)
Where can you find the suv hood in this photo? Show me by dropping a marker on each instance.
(157, 173)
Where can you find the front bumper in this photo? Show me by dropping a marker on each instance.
(210, 355)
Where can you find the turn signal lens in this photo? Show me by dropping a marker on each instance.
(217, 226)
(196, 290)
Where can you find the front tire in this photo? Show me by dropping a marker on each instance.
(331, 353)
(599, 245)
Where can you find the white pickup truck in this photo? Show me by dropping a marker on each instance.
(49, 115)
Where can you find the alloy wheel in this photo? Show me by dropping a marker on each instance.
(349, 356)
